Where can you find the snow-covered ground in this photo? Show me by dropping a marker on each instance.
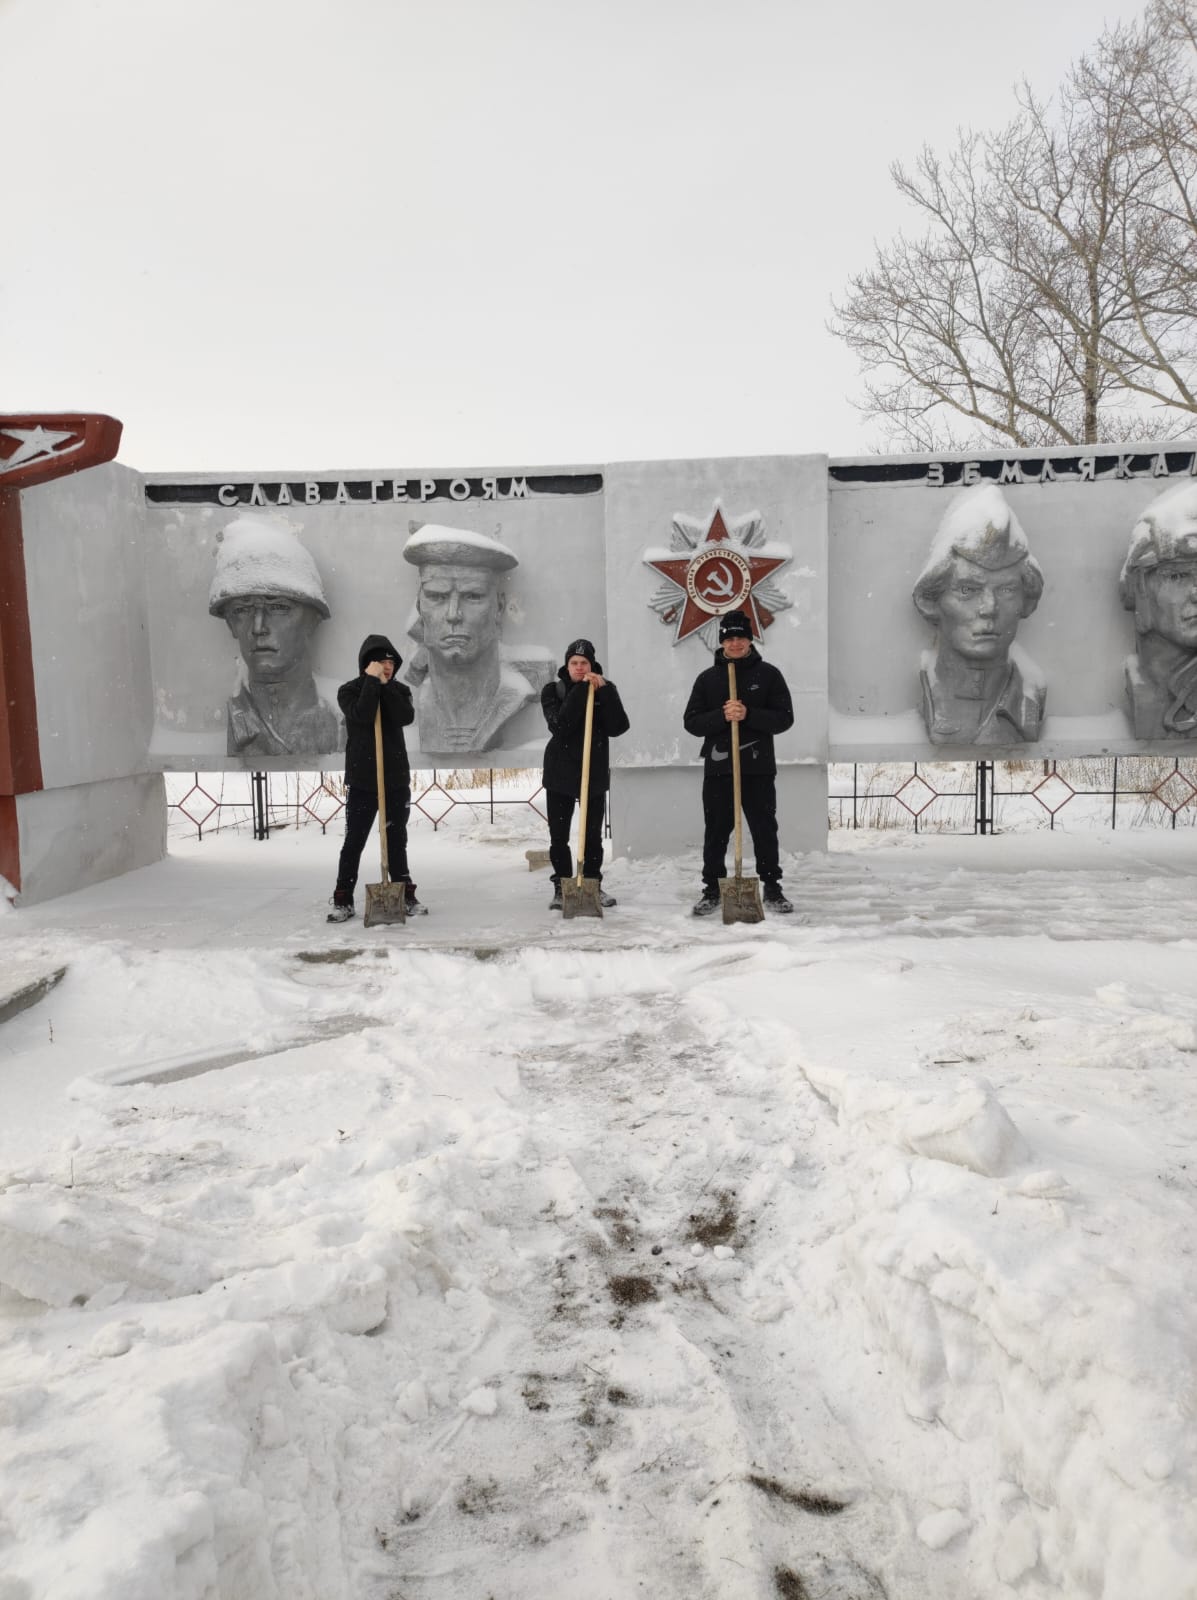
(846, 1256)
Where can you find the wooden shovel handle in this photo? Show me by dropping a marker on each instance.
(735, 753)
(382, 794)
(584, 798)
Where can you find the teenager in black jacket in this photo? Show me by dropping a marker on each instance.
(375, 688)
(564, 705)
(762, 707)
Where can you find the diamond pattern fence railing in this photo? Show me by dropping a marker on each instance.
(436, 802)
(951, 797)
(924, 797)
(203, 802)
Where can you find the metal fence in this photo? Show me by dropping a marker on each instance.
(922, 797)
(993, 796)
(203, 802)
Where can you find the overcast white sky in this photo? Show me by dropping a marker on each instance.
(403, 233)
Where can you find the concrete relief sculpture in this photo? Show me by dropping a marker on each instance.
(267, 589)
(979, 581)
(1159, 584)
(468, 686)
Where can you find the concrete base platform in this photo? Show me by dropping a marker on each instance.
(70, 838)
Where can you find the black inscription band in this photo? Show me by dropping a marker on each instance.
(1086, 467)
(373, 491)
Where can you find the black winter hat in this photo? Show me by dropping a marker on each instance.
(734, 625)
(377, 647)
(581, 647)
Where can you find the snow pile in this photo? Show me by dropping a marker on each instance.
(503, 1255)
(1053, 1356)
(63, 1248)
(210, 1437)
(968, 1125)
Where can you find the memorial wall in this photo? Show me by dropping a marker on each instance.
(1018, 605)
(261, 590)
(926, 608)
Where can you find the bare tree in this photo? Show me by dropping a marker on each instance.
(1052, 296)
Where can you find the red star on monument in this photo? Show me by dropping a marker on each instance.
(34, 449)
(720, 574)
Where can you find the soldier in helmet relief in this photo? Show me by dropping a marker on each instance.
(267, 590)
(979, 581)
(1159, 584)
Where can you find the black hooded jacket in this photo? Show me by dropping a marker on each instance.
(769, 710)
(564, 707)
(359, 699)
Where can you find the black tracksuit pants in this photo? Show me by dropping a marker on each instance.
(361, 807)
(560, 808)
(758, 799)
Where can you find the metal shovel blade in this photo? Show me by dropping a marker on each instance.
(385, 902)
(741, 900)
(580, 897)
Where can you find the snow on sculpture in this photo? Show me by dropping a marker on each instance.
(1158, 583)
(467, 686)
(978, 583)
(267, 589)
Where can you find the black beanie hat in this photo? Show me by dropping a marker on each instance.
(581, 647)
(734, 625)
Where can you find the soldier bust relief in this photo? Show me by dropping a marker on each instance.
(980, 580)
(1159, 584)
(467, 691)
(268, 591)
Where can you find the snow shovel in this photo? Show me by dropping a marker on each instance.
(385, 901)
(580, 896)
(739, 896)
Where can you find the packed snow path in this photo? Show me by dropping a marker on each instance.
(844, 1257)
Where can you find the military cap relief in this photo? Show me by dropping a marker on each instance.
(978, 583)
(468, 685)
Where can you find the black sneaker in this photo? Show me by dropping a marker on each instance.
(415, 908)
(774, 899)
(607, 900)
(341, 911)
(556, 904)
(708, 904)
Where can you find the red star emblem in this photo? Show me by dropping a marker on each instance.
(34, 449)
(719, 575)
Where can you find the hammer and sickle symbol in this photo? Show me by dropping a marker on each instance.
(719, 582)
